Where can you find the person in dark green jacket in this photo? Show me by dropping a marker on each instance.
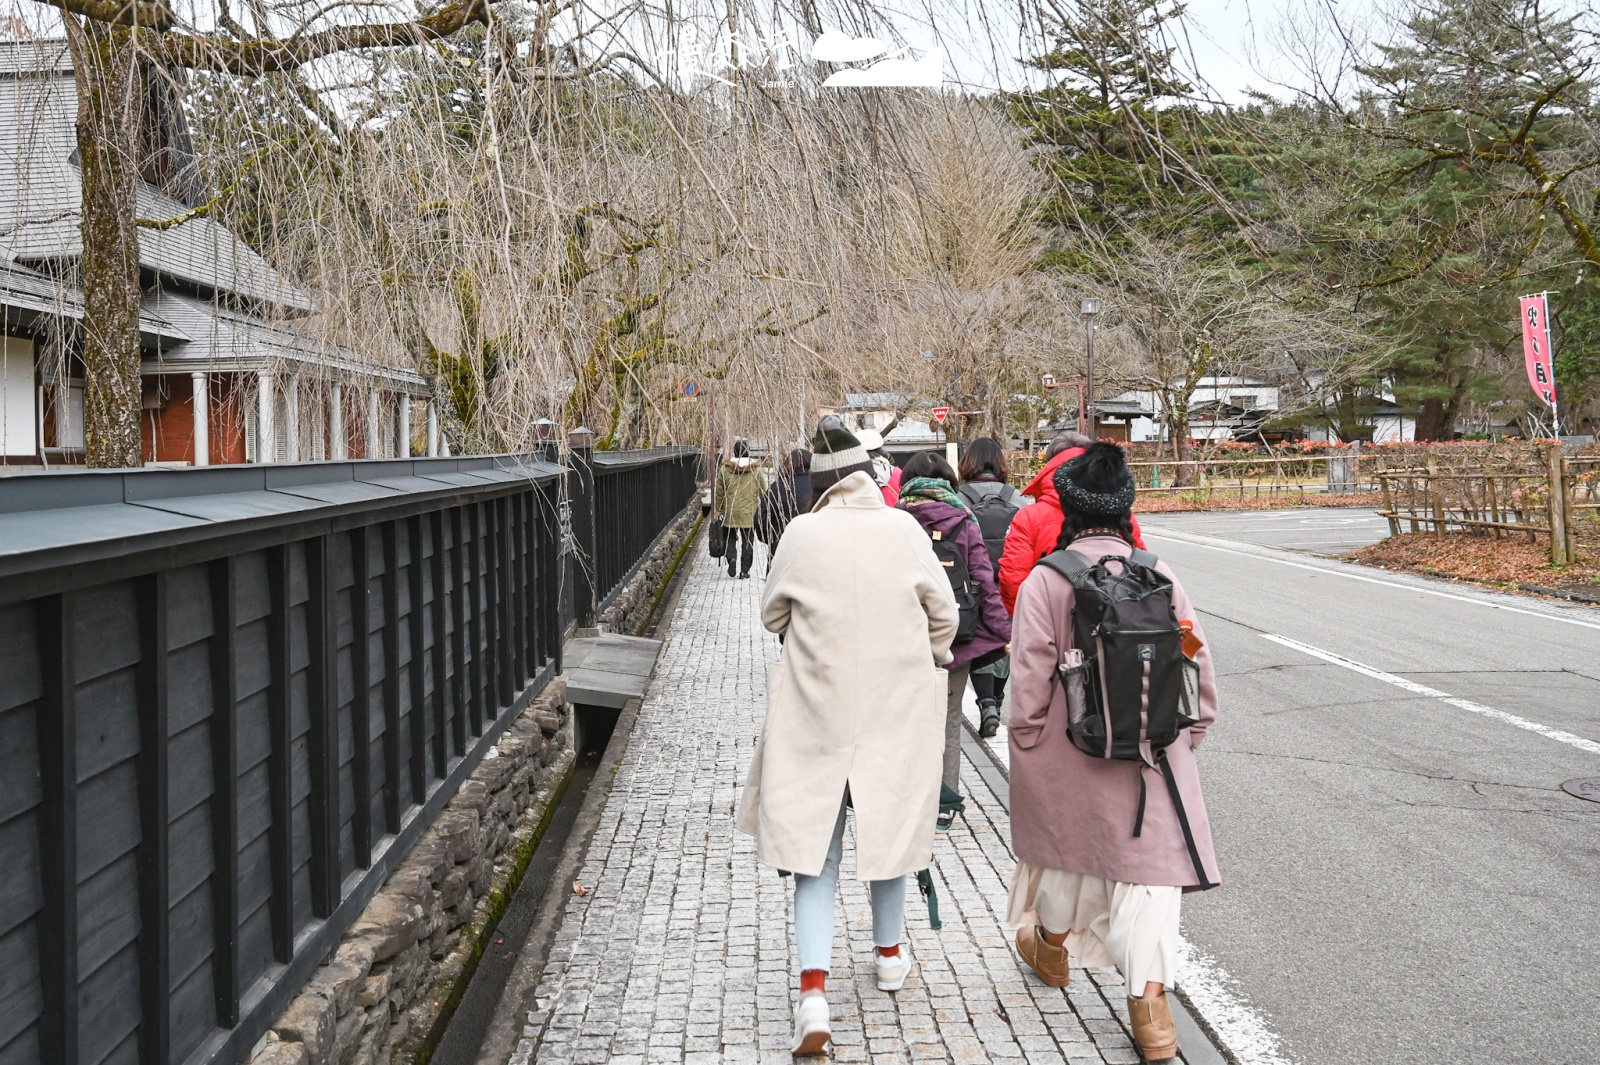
(738, 494)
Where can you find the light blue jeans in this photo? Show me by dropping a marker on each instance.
(813, 908)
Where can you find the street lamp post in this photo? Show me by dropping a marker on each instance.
(1089, 308)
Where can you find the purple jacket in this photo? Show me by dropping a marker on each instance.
(994, 624)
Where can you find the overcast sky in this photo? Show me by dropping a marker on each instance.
(1237, 45)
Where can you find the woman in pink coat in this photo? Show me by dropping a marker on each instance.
(1085, 884)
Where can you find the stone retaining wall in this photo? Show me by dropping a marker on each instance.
(383, 994)
(637, 601)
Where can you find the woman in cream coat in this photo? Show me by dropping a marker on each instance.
(855, 713)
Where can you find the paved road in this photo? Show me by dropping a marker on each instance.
(1319, 530)
(1404, 878)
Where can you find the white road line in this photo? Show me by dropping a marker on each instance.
(1331, 571)
(1242, 1031)
(1433, 693)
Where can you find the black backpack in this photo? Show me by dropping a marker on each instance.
(948, 552)
(1130, 688)
(994, 512)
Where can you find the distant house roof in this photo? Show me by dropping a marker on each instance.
(875, 401)
(1121, 408)
(27, 294)
(911, 431)
(40, 197)
(224, 339)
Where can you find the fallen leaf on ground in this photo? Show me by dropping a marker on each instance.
(579, 889)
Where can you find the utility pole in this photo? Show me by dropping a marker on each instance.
(1089, 308)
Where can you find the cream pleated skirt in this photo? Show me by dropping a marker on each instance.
(1133, 927)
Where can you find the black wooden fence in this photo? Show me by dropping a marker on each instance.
(230, 700)
(636, 494)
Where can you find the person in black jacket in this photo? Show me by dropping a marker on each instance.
(784, 499)
(986, 488)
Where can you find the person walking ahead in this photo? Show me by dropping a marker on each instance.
(784, 500)
(1033, 531)
(855, 714)
(738, 493)
(1103, 855)
(928, 494)
(986, 488)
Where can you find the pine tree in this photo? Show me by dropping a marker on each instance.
(1110, 143)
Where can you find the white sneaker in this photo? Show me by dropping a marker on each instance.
(811, 1032)
(892, 971)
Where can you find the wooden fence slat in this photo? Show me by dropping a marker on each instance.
(505, 627)
(56, 718)
(391, 679)
(491, 546)
(458, 642)
(280, 769)
(440, 693)
(224, 796)
(476, 608)
(532, 584)
(360, 696)
(418, 717)
(323, 741)
(154, 869)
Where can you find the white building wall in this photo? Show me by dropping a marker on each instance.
(19, 414)
(1393, 429)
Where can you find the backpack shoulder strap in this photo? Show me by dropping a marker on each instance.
(1070, 564)
(1007, 494)
(1143, 557)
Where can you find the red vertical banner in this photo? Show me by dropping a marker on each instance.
(1536, 348)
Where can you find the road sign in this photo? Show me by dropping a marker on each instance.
(691, 388)
(940, 414)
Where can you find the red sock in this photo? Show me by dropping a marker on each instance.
(890, 952)
(813, 980)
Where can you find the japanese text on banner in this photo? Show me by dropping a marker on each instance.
(1536, 348)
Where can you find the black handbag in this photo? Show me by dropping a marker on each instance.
(717, 538)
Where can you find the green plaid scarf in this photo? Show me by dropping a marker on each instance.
(920, 490)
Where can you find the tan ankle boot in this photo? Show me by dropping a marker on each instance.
(1153, 1032)
(1046, 959)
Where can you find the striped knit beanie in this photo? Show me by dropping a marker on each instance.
(835, 447)
(836, 454)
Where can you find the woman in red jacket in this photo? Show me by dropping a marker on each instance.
(1034, 530)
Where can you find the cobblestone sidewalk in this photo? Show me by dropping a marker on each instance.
(681, 950)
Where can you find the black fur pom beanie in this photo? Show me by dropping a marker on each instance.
(1097, 484)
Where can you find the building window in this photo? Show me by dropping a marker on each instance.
(1246, 400)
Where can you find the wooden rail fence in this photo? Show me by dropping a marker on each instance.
(1543, 498)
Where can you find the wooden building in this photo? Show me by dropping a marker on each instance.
(226, 377)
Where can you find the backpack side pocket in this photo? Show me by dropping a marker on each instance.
(1189, 708)
(1075, 679)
